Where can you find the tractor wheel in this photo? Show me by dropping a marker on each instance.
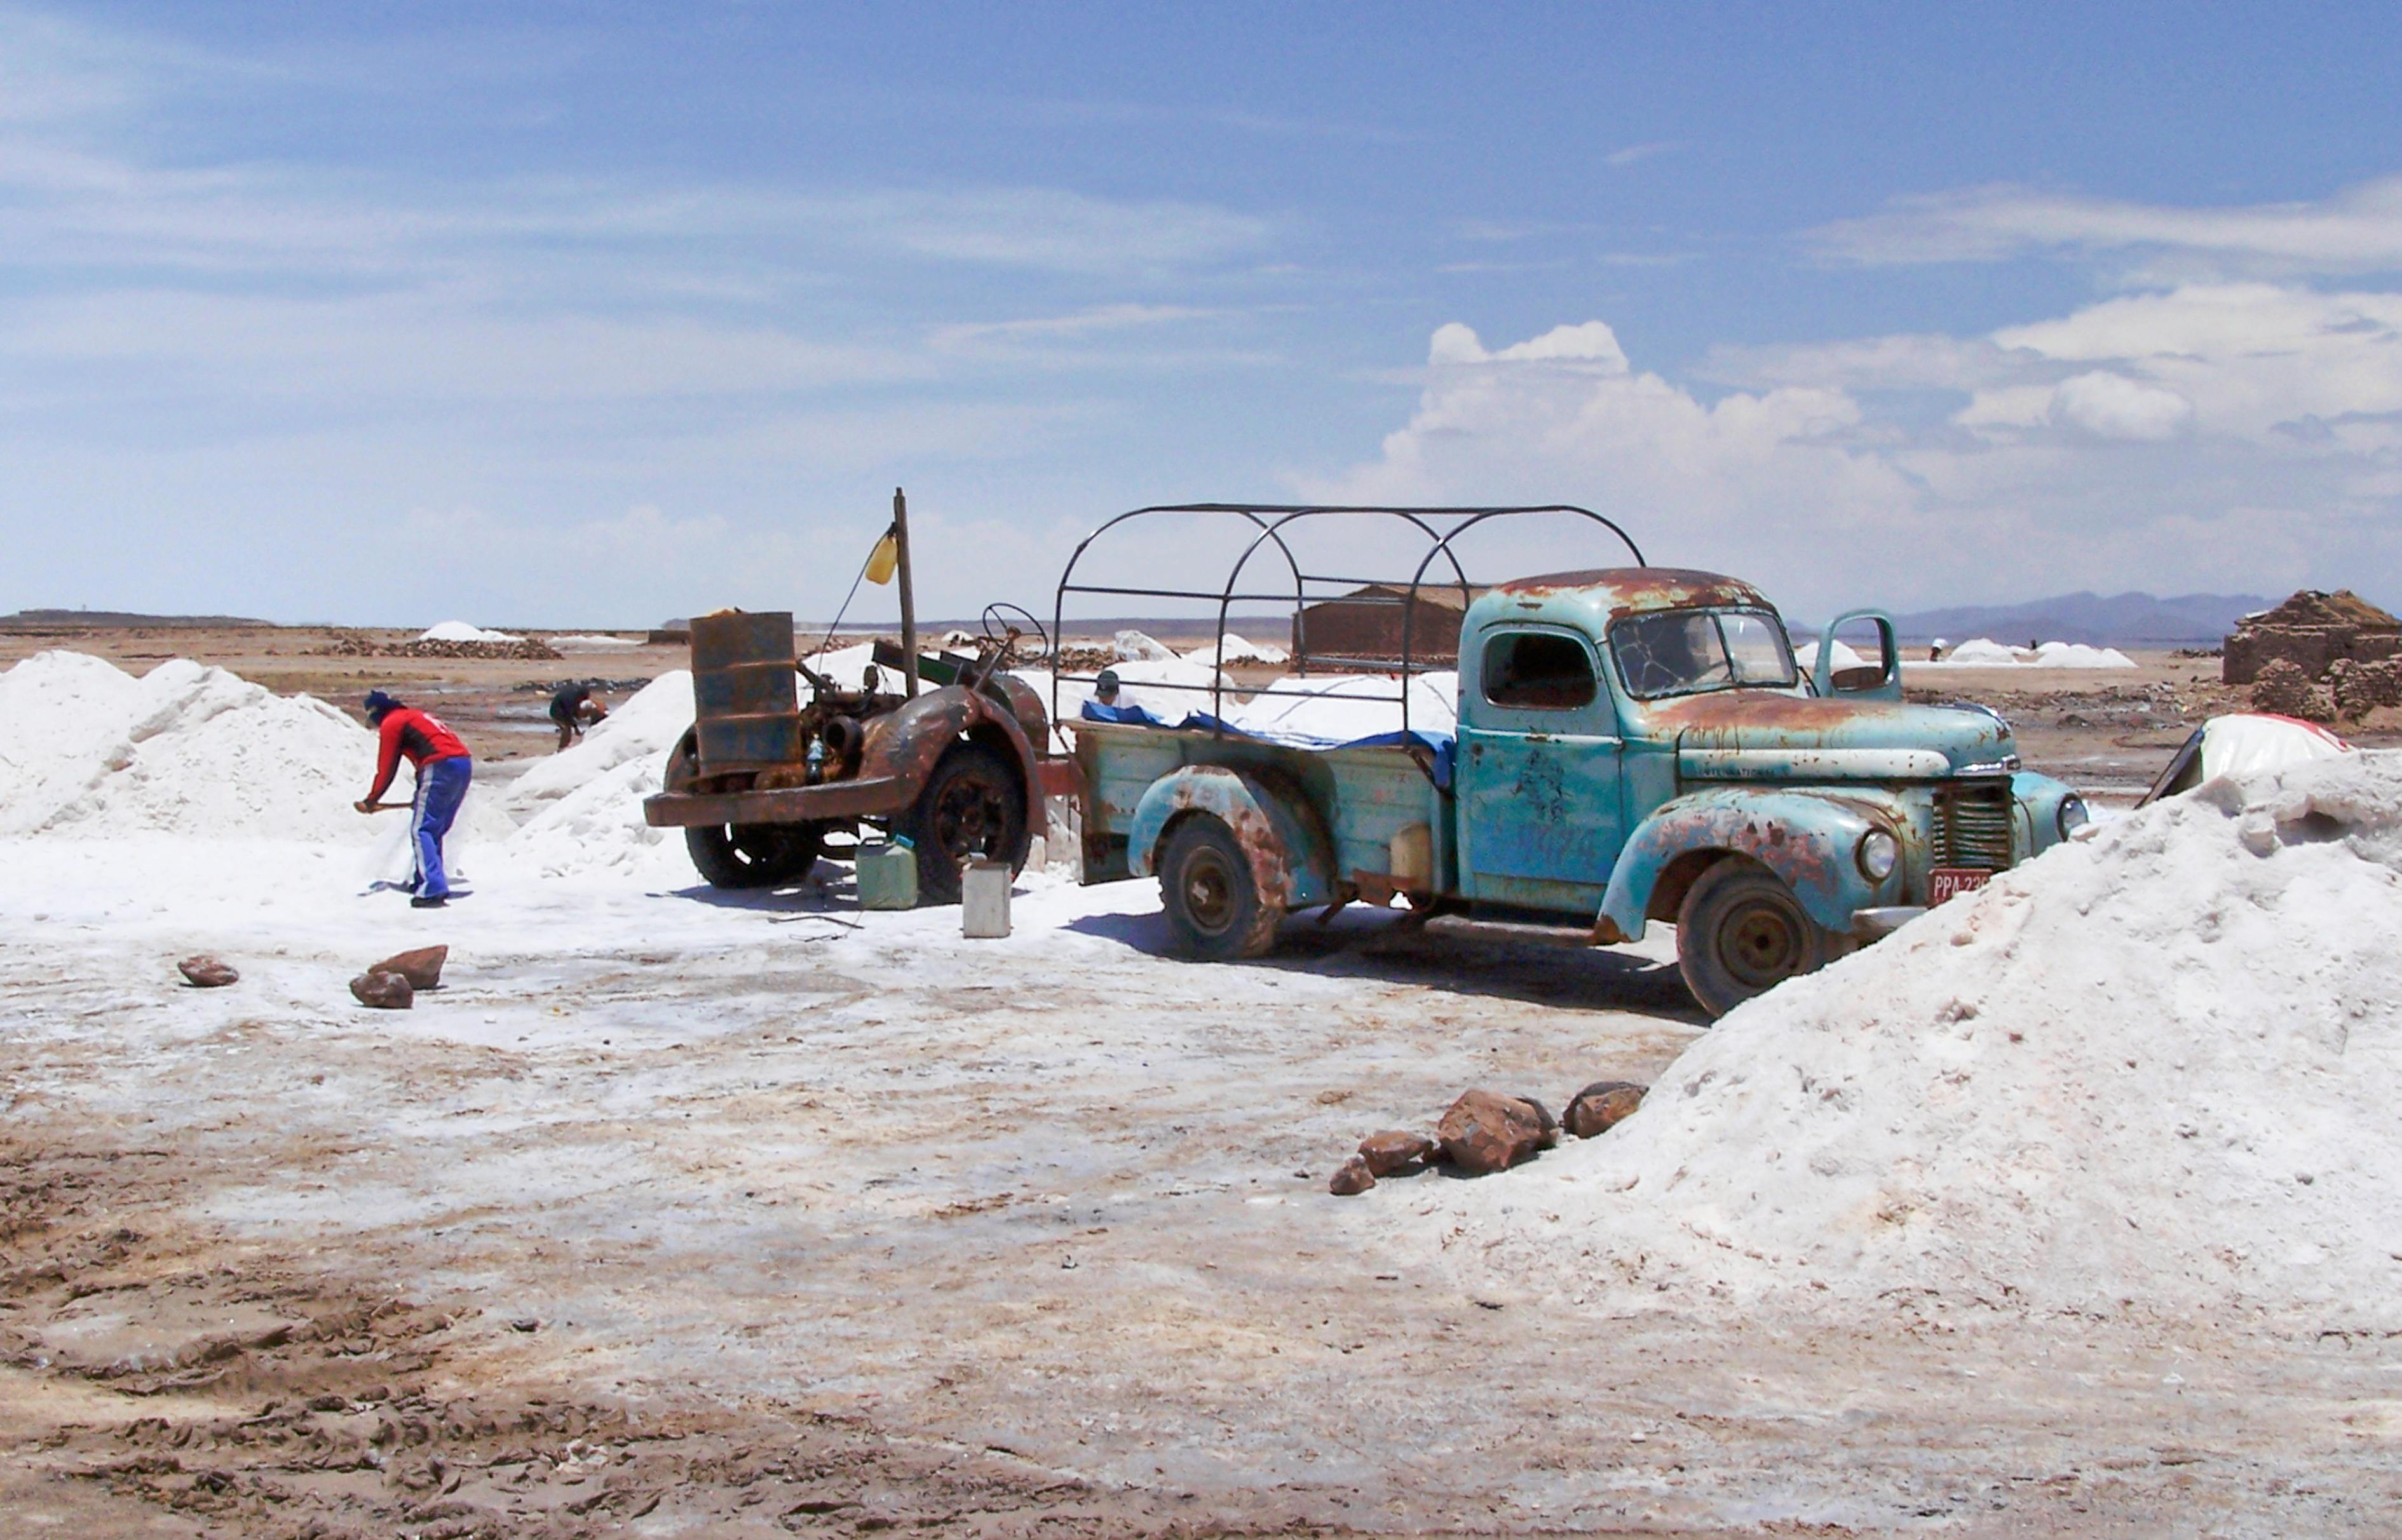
(1740, 932)
(1213, 903)
(972, 805)
(754, 855)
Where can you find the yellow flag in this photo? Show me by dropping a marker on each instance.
(882, 561)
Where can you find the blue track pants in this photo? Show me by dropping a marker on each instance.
(441, 787)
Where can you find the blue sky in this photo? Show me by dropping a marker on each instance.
(602, 313)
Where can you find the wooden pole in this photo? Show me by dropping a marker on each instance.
(908, 596)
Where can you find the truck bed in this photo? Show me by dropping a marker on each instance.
(1367, 793)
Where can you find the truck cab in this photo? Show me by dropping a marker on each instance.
(1631, 745)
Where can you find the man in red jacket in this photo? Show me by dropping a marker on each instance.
(444, 770)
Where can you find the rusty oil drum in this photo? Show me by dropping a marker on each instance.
(744, 697)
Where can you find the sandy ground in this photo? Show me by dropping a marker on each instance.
(676, 1213)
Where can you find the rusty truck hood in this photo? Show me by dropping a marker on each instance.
(1760, 734)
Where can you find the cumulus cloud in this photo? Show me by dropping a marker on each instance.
(2234, 437)
(2358, 229)
(2111, 405)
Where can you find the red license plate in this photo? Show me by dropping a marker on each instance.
(1949, 881)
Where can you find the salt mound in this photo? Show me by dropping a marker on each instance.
(1231, 649)
(2157, 1068)
(458, 630)
(1134, 647)
(1983, 652)
(1805, 656)
(185, 750)
(646, 725)
(574, 643)
(62, 716)
(599, 827)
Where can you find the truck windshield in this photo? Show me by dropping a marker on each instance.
(1686, 651)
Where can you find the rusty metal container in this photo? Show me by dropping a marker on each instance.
(744, 695)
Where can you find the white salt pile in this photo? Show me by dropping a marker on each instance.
(1984, 652)
(575, 642)
(1134, 647)
(1231, 649)
(2157, 1069)
(187, 750)
(458, 630)
(583, 808)
(1805, 656)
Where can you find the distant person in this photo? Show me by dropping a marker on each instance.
(1935, 654)
(444, 771)
(573, 706)
(1105, 688)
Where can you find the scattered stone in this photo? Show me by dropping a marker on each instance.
(2284, 688)
(1395, 1150)
(1351, 1179)
(384, 991)
(1485, 1130)
(421, 967)
(2359, 688)
(206, 972)
(524, 1322)
(1602, 1106)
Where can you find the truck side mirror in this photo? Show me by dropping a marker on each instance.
(1858, 656)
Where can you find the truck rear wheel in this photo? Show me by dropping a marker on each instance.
(1740, 932)
(1213, 903)
(972, 805)
(754, 855)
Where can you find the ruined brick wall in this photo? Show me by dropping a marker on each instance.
(2312, 631)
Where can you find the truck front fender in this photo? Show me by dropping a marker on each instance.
(1293, 860)
(905, 745)
(1808, 838)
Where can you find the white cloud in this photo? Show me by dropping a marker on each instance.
(2111, 405)
(1634, 153)
(2154, 441)
(2358, 229)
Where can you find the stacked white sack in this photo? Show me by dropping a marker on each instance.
(2157, 1070)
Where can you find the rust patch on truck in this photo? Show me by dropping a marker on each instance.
(1639, 590)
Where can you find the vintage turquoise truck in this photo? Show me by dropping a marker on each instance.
(1633, 744)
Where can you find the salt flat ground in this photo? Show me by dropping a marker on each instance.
(677, 1213)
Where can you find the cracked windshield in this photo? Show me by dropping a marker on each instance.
(1685, 652)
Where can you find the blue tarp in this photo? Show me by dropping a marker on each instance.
(1438, 744)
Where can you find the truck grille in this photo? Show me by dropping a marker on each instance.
(1972, 825)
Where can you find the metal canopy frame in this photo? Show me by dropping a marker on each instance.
(1438, 527)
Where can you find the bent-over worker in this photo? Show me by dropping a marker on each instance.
(444, 771)
(575, 707)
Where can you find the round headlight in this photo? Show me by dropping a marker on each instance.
(2072, 815)
(1878, 853)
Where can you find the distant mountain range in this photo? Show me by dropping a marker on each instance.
(2114, 620)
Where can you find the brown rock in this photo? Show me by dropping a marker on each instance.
(1395, 1150)
(1351, 1179)
(421, 967)
(384, 991)
(1602, 1106)
(1485, 1130)
(206, 972)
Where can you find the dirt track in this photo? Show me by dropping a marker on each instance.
(813, 1228)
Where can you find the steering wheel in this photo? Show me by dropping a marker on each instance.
(997, 627)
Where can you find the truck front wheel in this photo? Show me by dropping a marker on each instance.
(754, 855)
(1740, 932)
(1214, 905)
(972, 805)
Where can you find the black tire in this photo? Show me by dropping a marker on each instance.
(754, 855)
(1741, 932)
(1213, 903)
(973, 804)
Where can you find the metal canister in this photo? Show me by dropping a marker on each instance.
(745, 700)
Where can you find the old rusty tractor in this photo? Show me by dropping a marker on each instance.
(956, 760)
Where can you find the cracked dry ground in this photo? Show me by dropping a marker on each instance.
(837, 1236)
